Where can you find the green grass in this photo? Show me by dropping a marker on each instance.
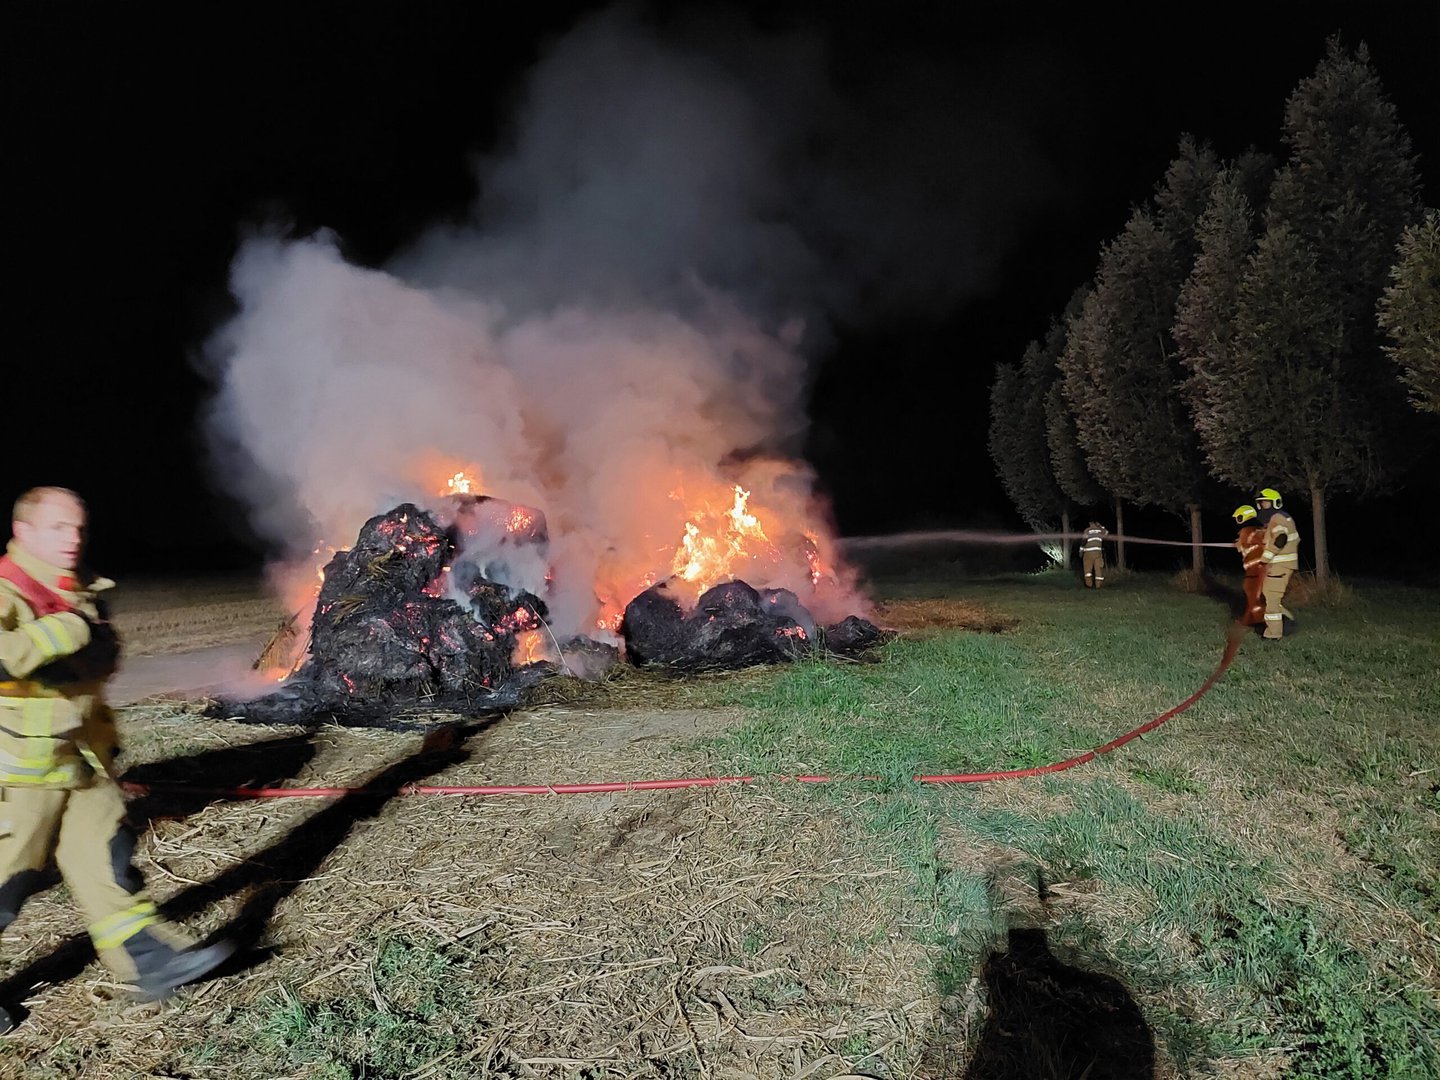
(402, 1017)
(1260, 873)
(1233, 940)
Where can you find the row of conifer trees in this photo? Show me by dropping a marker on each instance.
(1256, 322)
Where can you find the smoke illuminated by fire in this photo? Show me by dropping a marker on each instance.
(568, 360)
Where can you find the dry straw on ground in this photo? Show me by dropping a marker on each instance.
(718, 933)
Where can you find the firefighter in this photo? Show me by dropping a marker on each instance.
(1280, 557)
(58, 795)
(1092, 555)
(1251, 544)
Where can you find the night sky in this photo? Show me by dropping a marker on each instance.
(998, 152)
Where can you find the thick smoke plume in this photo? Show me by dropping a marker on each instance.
(617, 337)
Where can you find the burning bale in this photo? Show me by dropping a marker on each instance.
(396, 627)
(445, 611)
(733, 626)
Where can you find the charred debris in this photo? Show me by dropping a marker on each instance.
(419, 618)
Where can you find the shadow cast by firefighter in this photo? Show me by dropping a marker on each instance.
(271, 874)
(1044, 1019)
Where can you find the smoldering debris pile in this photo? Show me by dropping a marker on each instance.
(394, 631)
(733, 626)
(422, 617)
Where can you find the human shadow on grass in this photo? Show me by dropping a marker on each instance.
(278, 870)
(1045, 1019)
(273, 873)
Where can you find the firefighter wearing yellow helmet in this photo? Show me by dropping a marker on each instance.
(1251, 544)
(1280, 557)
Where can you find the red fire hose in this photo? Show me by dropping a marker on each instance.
(1232, 646)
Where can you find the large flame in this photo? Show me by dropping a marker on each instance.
(696, 530)
(722, 546)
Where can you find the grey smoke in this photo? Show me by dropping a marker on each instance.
(645, 278)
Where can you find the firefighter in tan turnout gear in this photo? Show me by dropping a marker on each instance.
(58, 796)
(1281, 558)
(1092, 555)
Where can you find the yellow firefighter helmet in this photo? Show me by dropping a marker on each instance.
(1272, 495)
(1244, 513)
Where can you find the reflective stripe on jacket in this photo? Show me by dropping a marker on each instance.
(55, 729)
(1095, 540)
(1282, 542)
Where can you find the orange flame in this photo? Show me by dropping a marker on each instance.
(529, 647)
(520, 520)
(817, 566)
(445, 474)
(734, 536)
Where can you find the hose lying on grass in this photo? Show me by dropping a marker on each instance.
(1232, 646)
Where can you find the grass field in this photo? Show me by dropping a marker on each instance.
(1248, 891)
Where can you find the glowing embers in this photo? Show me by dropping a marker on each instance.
(385, 638)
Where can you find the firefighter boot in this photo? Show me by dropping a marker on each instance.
(161, 969)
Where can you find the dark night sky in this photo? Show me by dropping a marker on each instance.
(138, 150)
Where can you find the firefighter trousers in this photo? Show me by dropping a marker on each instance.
(1093, 563)
(1276, 582)
(84, 830)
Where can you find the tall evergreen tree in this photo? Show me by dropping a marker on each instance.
(1067, 460)
(1018, 445)
(1410, 312)
(1122, 376)
(1182, 194)
(1319, 397)
(1205, 310)
(1268, 390)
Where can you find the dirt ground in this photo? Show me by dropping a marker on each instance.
(709, 932)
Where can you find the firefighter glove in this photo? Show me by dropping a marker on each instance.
(98, 659)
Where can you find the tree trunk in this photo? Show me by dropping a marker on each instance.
(1197, 553)
(1322, 553)
(1119, 535)
(1065, 539)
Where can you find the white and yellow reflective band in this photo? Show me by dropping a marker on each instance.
(28, 713)
(114, 930)
(1273, 618)
(93, 760)
(37, 716)
(22, 688)
(1288, 558)
(49, 636)
(53, 768)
